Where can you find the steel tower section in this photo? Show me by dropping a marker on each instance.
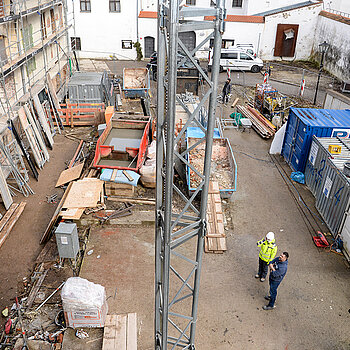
(179, 234)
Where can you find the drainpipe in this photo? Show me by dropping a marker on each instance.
(137, 20)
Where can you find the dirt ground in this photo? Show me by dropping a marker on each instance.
(313, 302)
(22, 246)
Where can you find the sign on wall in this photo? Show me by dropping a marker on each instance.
(126, 44)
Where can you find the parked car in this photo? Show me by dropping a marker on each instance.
(152, 65)
(237, 59)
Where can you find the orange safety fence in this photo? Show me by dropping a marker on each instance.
(82, 114)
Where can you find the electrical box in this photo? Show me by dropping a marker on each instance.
(67, 240)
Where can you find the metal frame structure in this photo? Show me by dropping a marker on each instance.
(179, 241)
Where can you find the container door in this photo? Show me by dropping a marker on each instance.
(298, 156)
(332, 197)
(290, 138)
(345, 233)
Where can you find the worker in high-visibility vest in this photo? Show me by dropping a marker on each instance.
(268, 250)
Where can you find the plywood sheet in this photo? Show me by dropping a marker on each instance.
(69, 175)
(84, 194)
(72, 213)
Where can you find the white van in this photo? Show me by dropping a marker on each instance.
(237, 59)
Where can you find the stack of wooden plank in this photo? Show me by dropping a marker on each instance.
(215, 239)
(120, 332)
(260, 124)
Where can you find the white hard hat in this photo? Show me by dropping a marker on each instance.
(270, 236)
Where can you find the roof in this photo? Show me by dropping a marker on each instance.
(148, 14)
(239, 18)
(335, 17)
(329, 118)
(288, 8)
(86, 78)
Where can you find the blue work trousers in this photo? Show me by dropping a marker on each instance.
(273, 291)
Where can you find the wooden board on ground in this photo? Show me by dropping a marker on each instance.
(120, 332)
(84, 193)
(69, 175)
(71, 213)
(11, 222)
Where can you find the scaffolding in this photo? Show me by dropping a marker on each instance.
(33, 43)
(34, 52)
(180, 232)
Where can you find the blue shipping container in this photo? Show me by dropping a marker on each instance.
(303, 123)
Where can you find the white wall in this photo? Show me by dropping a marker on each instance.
(338, 5)
(306, 17)
(102, 32)
(337, 35)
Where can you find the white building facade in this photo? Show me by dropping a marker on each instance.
(278, 29)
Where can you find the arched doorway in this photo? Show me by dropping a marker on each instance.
(149, 46)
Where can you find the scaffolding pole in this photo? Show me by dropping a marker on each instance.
(179, 233)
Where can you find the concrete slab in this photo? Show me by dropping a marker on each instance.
(126, 269)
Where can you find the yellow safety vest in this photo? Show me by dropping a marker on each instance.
(268, 250)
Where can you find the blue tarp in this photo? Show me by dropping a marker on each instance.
(120, 178)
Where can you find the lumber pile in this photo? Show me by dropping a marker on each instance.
(9, 220)
(215, 239)
(120, 332)
(260, 124)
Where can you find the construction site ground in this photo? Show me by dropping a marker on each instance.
(312, 310)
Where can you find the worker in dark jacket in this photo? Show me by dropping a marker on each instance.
(226, 90)
(278, 269)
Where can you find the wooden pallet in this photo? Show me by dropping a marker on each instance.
(120, 332)
(215, 240)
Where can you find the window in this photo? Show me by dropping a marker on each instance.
(114, 6)
(75, 43)
(27, 37)
(190, 2)
(85, 6)
(230, 56)
(31, 66)
(237, 3)
(212, 3)
(245, 57)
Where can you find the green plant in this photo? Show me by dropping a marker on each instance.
(138, 48)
